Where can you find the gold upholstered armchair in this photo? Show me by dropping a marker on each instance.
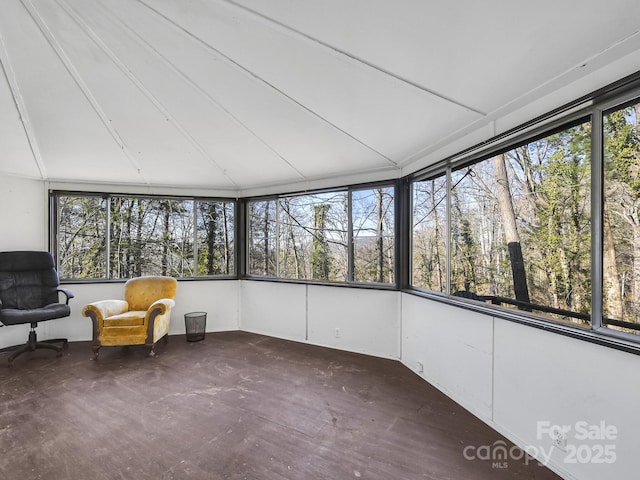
(142, 318)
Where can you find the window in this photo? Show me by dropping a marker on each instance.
(118, 236)
(337, 236)
(520, 228)
(621, 219)
(215, 233)
(81, 236)
(429, 234)
(262, 233)
(300, 237)
(373, 215)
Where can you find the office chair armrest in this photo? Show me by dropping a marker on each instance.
(68, 293)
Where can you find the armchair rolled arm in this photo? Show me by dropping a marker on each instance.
(98, 311)
(160, 307)
(68, 293)
(105, 308)
(156, 309)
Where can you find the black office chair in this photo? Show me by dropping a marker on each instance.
(29, 289)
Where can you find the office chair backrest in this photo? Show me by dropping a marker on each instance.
(28, 280)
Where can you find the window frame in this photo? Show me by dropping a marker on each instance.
(54, 194)
(348, 190)
(591, 107)
(609, 105)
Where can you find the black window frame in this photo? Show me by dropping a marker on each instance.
(348, 190)
(592, 106)
(53, 230)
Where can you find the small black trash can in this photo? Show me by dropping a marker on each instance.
(195, 324)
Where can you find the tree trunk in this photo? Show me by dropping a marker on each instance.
(611, 277)
(320, 257)
(505, 203)
(436, 256)
(292, 240)
(225, 240)
(211, 238)
(138, 255)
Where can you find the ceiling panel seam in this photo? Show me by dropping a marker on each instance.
(77, 78)
(21, 108)
(132, 77)
(265, 82)
(168, 63)
(512, 105)
(351, 57)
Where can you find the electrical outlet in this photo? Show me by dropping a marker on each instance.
(337, 333)
(559, 439)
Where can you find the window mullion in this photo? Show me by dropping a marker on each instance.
(277, 248)
(597, 170)
(108, 237)
(448, 236)
(350, 246)
(195, 236)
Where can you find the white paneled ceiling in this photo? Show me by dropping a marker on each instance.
(239, 95)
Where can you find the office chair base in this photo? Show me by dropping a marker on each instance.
(33, 344)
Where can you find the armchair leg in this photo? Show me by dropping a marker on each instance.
(152, 352)
(96, 351)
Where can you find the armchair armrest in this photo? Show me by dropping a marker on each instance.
(105, 308)
(162, 306)
(98, 311)
(68, 293)
(156, 311)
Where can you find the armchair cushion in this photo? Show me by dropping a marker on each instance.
(134, 317)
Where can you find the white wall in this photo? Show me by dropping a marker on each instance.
(367, 321)
(358, 320)
(23, 215)
(455, 348)
(513, 376)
